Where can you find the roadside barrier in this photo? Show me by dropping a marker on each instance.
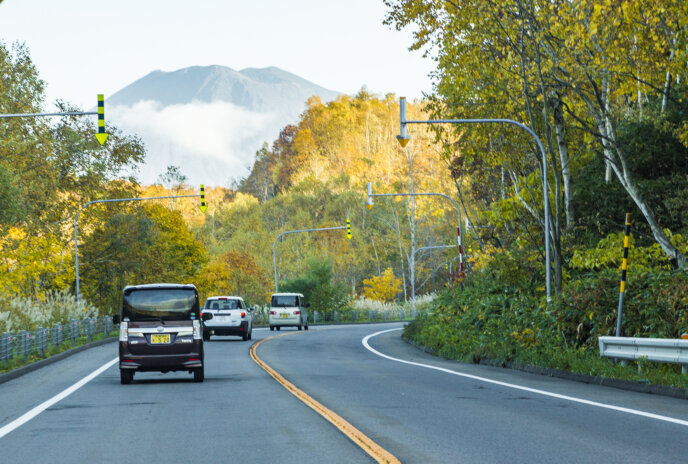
(25, 343)
(664, 350)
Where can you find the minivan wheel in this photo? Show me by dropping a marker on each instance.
(206, 336)
(271, 328)
(278, 327)
(299, 327)
(250, 334)
(125, 377)
(306, 327)
(199, 374)
(244, 336)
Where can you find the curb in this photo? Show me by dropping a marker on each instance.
(673, 392)
(18, 372)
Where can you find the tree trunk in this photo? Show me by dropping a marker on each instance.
(564, 159)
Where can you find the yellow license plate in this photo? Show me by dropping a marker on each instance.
(285, 315)
(160, 338)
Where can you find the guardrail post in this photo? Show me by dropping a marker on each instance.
(315, 317)
(370, 315)
(386, 314)
(336, 316)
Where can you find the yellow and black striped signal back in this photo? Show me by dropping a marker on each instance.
(624, 263)
(101, 135)
(203, 204)
(348, 229)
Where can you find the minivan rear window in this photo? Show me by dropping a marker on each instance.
(283, 301)
(160, 303)
(222, 304)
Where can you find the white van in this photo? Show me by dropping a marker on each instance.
(288, 310)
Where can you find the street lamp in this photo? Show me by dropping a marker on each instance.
(404, 138)
(274, 258)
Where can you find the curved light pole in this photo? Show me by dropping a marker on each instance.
(274, 259)
(113, 200)
(404, 138)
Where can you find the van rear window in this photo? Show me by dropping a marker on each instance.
(283, 301)
(159, 303)
(222, 304)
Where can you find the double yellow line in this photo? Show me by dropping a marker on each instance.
(366, 444)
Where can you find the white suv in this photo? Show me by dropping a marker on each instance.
(230, 316)
(288, 310)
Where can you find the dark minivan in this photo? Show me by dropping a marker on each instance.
(160, 330)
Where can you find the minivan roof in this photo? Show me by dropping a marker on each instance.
(162, 285)
(287, 294)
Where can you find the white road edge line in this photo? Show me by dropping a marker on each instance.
(60, 396)
(519, 387)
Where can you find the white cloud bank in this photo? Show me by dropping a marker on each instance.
(212, 143)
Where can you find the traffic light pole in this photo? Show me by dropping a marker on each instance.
(113, 200)
(274, 258)
(101, 135)
(404, 138)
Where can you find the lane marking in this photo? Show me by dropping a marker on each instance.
(366, 444)
(519, 387)
(60, 396)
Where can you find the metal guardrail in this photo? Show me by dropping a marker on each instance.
(260, 316)
(664, 350)
(25, 343)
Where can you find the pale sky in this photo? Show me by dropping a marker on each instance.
(86, 47)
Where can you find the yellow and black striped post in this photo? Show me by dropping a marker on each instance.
(203, 205)
(624, 266)
(348, 229)
(101, 135)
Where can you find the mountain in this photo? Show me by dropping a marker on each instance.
(262, 90)
(210, 120)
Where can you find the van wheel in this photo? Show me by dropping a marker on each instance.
(199, 374)
(277, 327)
(299, 327)
(206, 336)
(250, 334)
(306, 327)
(271, 328)
(125, 377)
(244, 336)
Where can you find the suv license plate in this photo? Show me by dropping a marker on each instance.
(160, 338)
(285, 315)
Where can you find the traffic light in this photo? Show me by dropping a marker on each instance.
(101, 135)
(203, 205)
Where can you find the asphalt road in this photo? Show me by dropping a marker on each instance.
(241, 414)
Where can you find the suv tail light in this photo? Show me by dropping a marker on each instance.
(297, 312)
(273, 313)
(243, 314)
(123, 329)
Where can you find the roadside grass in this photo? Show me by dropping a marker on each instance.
(19, 361)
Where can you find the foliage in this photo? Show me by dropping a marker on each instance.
(383, 287)
(55, 307)
(317, 287)
(233, 273)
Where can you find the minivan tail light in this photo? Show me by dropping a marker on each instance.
(197, 335)
(243, 314)
(273, 313)
(297, 312)
(123, 329)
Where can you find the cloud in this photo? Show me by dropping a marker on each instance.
(212, 143)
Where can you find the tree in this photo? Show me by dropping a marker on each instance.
(383, 287)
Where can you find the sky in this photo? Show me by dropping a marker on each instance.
(86, 47)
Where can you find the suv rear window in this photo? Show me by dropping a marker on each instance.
(222, 304)
(160, 303)
(283, 301)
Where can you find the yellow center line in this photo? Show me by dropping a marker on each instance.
(366, 444)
